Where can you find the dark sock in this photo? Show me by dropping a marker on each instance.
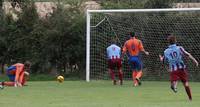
(112, 74)
(187, 89)
(120, 76)
(2, 83)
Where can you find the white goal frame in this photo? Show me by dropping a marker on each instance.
(88, 15)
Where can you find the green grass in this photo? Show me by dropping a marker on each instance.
(97, 94)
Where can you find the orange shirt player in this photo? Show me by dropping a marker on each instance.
(17, 74)
(133, 47)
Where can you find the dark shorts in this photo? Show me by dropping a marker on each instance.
(115, 63)
(135, 63)
(180, 74)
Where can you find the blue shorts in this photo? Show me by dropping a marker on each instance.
(11, 77)
(11, 73)
(135, 63)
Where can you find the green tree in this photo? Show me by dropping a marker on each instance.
(158, 4)
(66, 37)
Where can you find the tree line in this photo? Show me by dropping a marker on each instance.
(54, 44)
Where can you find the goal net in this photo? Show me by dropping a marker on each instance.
(152, 27)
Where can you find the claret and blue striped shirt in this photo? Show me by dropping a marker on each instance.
(173, 55)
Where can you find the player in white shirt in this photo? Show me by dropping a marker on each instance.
(114, 61)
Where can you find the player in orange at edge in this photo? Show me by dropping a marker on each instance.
(133, 47)
(17, 74)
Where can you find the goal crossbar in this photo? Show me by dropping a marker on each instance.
(142, 10)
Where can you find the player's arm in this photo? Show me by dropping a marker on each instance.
(190, 56)
(147, 53)
(162, 59)
(107, 53)
(124, 50)
(18, 70)
(142, 48)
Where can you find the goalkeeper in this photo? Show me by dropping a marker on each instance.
(133, 47)
(17, 74)
(114, 60)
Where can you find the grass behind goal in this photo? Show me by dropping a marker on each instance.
(97, 94)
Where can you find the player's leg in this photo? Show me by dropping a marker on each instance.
(112, 75)
(120, 73)
(134, 74)
(174, 86)
(18, 75)
(188, 90)
(138, 65)
(174, 78)
(184, 78)
(138, 76)
(25, 78)
(1, 86)
(132, 63)
(9, 83)
(111, 71)
(21, 77)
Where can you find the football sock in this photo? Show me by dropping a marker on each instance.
(139, 82)
(134, 74)
(9, 83)
(112, 74)
(188, 91)
(120, 76)
(139, 75)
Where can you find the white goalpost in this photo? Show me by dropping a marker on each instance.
(150, 25)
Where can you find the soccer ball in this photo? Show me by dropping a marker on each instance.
(60, 79)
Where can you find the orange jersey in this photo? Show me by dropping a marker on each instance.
(19, 70)
(133, 46)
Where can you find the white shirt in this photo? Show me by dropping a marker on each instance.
(113, 51)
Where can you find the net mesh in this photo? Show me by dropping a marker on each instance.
(152, 29)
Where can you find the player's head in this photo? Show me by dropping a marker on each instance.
(132, 34)
(171, 39)
(113, 40)
(27, 66)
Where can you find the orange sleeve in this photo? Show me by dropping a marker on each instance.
(141, 48)
(19, 69)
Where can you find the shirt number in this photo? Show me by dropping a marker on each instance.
(133, 47)
(173, 55)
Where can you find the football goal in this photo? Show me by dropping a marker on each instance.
(152, 27)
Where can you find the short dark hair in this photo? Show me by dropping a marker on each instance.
(171, 39)
(132, 34)
(113, 40)
(27, 64)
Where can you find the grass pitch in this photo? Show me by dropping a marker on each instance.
(97, 94)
